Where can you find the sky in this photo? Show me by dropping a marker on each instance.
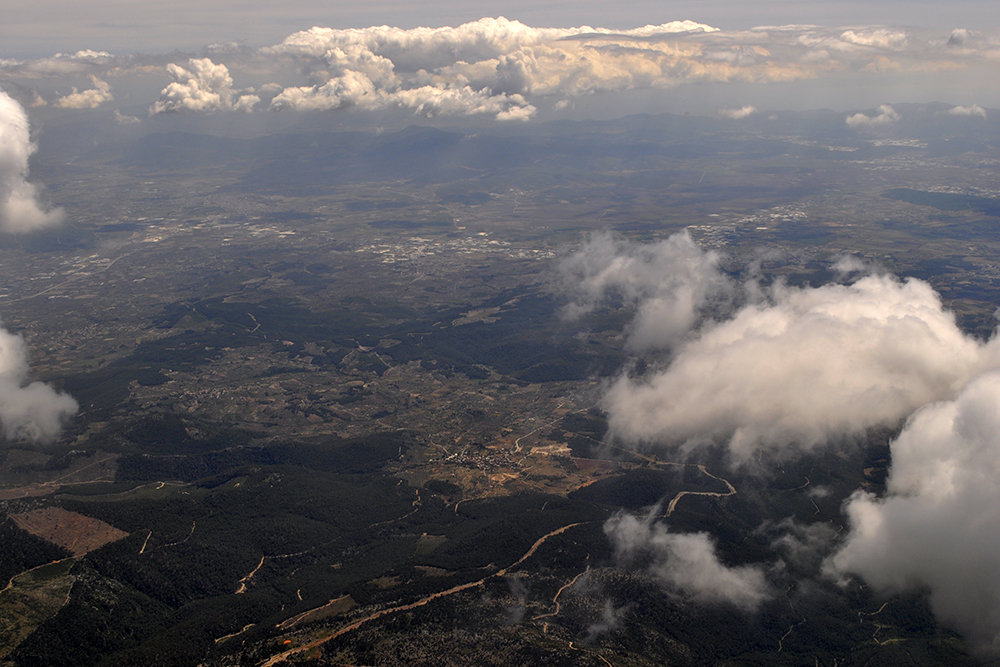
(45, 27)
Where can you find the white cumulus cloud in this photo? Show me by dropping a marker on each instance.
(974, 110)
(20, 210)
(202, 86)
(737, 114)
(123, 119)
(87, 99)
(455, 69)
(881, 38)
(813, 363)
(32, 411)
(790, 370)
(886, 115)
(938, 526)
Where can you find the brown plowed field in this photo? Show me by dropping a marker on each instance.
(76, 532)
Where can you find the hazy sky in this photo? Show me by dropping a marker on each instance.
(33, 28)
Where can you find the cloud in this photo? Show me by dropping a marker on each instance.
(938, 525)
(61, 64)
(669, 283)
(881, 38)
(87, 99)
(122, 119)
(19, 207)
(958, 37)
(886, 115)
(32, 411)
(848, 264)
(354, 89)
(478, 67)
(429, 48)
(737, 114)
(519, 591)
(481, 66)
(974, 110)
(609, 620)
(788, 371)
(203, 86)
(686, 563)
(809, 365)
(802, 546)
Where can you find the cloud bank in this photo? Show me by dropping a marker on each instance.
(686, 563)
(938, 526)
(32, 411)
(20, 210)
(508, 70)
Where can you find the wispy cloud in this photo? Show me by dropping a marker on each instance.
(686, 563)
(669, 283)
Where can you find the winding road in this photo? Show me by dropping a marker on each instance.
(282, 657)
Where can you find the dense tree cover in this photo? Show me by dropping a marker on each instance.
(329, 454)
(20, 551)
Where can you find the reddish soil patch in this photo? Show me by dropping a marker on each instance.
(76, 532)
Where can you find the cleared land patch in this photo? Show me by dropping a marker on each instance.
(76, 532)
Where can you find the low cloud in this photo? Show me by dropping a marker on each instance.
(87, 99)
(809, 365)
(32, 411)
(789, 371)
(610, 619)
(687, 564)
(669, 283)
(974, 110)
(202, 86)
(886, 115)
(20, 210)
(737, 114)
(938, 526)
(123, 119)
(959, 36)
(61, 64)
(881, 38)
(355, 89)
(802, 546)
